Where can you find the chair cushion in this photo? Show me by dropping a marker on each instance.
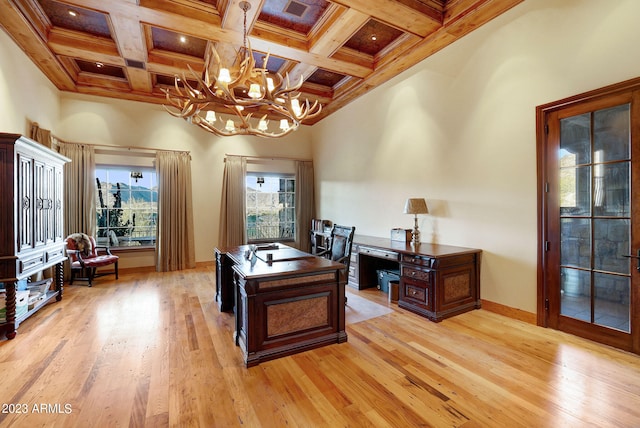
(339, 247)
(96, 261)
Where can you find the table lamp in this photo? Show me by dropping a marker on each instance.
(416, 206)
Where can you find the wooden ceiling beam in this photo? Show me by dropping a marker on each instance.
(397, 15)
(339, 32)
(85, 47)
(331, 38)
(172, 64)
(198, 28)
(317, 60)
(140, 80)
(129, 36)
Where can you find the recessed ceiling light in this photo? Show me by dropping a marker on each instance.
(73, 13)
(374, 37)
(99, 64)
(183, 39)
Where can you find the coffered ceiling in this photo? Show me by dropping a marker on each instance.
(342, 49)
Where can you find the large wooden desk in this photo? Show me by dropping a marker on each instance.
(292, 304)
(436, 281)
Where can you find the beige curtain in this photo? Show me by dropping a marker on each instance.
(42, 136)
(305, 206)
(175, 240)
(79, 191)
(232, 211)
(79, 188)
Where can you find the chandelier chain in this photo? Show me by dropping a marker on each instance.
(245, 7)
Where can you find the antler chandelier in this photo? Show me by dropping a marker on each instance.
(241, 92)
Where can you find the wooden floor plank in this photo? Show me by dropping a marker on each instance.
(153, 350)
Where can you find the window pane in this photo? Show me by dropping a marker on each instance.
(126, 208)
(270, 207)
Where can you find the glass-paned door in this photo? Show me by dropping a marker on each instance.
(595, 217)
(590, 238)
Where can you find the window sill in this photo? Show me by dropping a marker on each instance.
(139, 249)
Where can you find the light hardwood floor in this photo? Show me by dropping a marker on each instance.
(152, 349)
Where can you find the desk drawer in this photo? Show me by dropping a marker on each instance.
(419, 260)
(417, 274)
(416, 293)
(376, 252)
(353, 272)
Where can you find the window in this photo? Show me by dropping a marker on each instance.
(270, 207)
(126, 206)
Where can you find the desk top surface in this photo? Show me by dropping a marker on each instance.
(426, 249)
(286, 261)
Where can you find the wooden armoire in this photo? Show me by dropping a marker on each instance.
(31, 221)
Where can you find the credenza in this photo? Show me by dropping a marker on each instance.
(31, 220)
(436, 281)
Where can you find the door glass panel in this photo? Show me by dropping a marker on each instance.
(575, 244)
(611, 241)
(575, 294)
(575, 138)
(611, 189)
(575, 188)
(611, 133)
(612, 301)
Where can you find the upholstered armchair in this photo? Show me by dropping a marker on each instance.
(85, 257)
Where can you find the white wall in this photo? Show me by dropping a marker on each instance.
(26, 95)
(97, 120)
(459, 130)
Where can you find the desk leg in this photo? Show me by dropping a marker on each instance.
(342, 303)
(236, 312)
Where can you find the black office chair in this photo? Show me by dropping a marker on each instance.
(340, 243)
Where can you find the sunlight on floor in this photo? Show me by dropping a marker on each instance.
(137, 312)
(582, 393)
(360, 309)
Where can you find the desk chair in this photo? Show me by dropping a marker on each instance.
(85, 258)
(340, 243)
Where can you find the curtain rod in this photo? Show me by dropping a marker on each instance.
(111, 146)
(269, 158)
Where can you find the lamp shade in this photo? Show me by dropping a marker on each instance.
(416, 206)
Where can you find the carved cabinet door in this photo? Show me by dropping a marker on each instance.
(25, 202)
